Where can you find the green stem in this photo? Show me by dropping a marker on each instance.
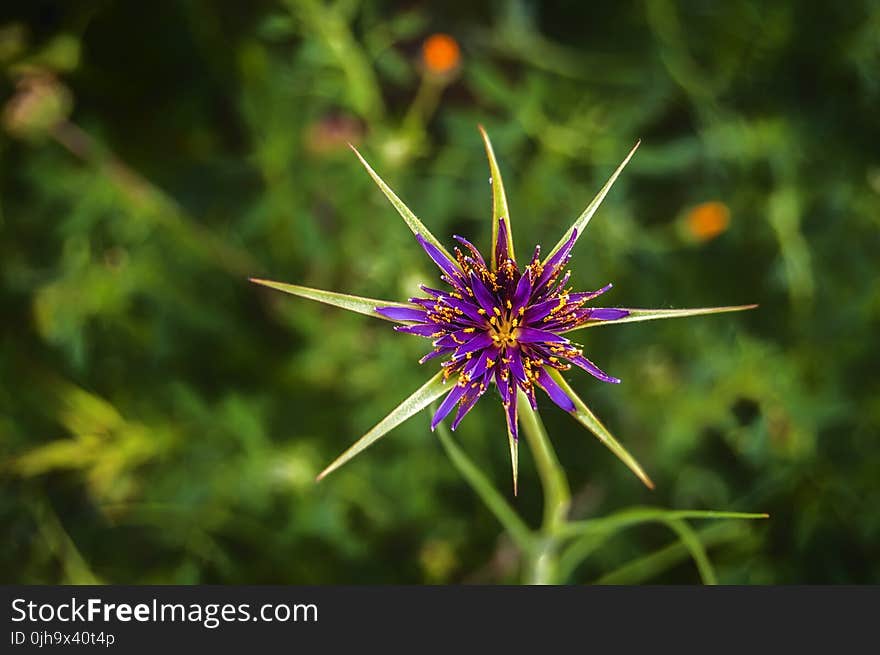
(557, 496)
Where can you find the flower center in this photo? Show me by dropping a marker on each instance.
(504, 328)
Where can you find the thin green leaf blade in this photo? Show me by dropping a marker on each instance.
(592, 534)
(408, 216)
(499, 200)
(357, 304)
(649, 566)
(637, 515)
(692, 542)
(423, 396)
(637, 315)
(587, 214)
(586, 418)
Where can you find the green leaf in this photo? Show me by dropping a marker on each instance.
(584, 416)
(587, 214)
(342, 300)
(424, 396)
(636, 315)
(636, 515)
(692, 542)
(649, 566)
(591, 535)
(499, 200)
(496, 503)
(411, 219)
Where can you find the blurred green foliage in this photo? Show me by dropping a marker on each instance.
(161, 420)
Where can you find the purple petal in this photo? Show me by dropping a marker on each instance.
(501, 252)
(446, 406)
(467, 244)
(511, 415)
(445, 264)
(470, 399)
(466, 307)
(455, 339)
(557, 395)
(606, 314)
(589, 295)
(480, 341)
(434, 353)
(542, 309)
(433, 292)
(423, 330)
(557, 260)
(532, 335)
(503, 387)
(488, 301)
(593, 370)
(477, 366)
(403, 313)
(522, 293)
(516, 366)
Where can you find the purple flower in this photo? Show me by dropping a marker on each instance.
(497, 323)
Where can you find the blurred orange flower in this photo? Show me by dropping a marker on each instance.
(707, 220)
(441, 54)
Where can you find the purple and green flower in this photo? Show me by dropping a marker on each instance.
(496, 323)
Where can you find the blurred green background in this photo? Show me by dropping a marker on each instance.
(162, 420)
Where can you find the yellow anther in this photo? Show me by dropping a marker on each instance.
(497, 311)
(509, 304)
(481, 311)
(469, 330)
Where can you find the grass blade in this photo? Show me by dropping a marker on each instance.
(692, 542)
(424, 396)
(649, 566)
(636, 515)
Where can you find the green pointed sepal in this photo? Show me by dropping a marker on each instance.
(405, 212)
(585, 417)
(499, 201)
(582, 220)
(637, 315)
(356, 304)
(423, 396)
